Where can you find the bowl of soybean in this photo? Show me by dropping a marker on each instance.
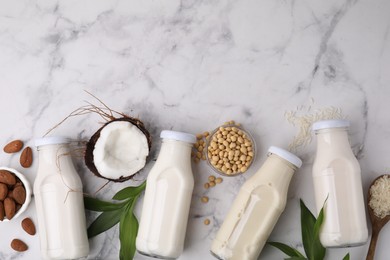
(230, 150)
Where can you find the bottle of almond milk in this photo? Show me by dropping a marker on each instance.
(256, 209)
(167, 198)
(337, 180)
(59, 201)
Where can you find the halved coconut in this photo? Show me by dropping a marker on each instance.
(119, 149)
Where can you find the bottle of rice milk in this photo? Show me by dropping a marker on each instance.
(167, 198)
(256, 209)
(59, 202)
(337, 179)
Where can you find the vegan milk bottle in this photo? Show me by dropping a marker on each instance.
(256, 208)
(59, 202)
(338, 186)
(167, 198)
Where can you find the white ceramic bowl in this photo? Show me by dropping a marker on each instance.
(27, 187)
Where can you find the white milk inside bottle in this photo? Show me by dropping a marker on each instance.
(59, 202)
(337, 180)
(167, 198)
(256, 208)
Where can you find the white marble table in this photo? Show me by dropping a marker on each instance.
(191, 65)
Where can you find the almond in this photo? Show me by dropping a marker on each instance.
(18, 245)
(1, 211)
(13, 147)
(19, 194)
(26, 157)
(7, 177)
(3, 191)
(28, 226)
(9, 208)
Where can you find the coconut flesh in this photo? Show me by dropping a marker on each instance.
(118, 150)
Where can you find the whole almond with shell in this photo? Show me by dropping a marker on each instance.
(13, 146)
(26, 157)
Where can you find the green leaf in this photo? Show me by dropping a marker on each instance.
(318, 223)
(320, 220)
(346, 257)
(100, 205)
(128, 229)
(286, 249)
(104, 221)
(311, 243)
(296, 258)
(129, 192)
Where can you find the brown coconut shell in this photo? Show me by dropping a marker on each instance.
(89, 159)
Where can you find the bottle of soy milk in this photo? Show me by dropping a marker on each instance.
(256, 209)
(59, 202)
(337, 180)
(167, 198)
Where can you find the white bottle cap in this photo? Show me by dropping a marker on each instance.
(292, 158)
(51, 140)
(178, 136)
(330, 124)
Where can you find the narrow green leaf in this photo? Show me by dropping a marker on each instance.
(318, 223)
(129, 192)
(307, 227)
(320, 220)
(100, 205)
(311, 243)
(346, 257)
(104, 221)
(128, 229)
(296, 258)
(286, 249)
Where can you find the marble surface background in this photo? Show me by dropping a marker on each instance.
(191, 65)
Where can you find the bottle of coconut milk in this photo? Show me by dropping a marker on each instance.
(257, 208)
(337, 180)
(167, 198)
(59, 202)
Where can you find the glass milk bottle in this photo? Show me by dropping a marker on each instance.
(59, 202)
(337, 180)
(167, 198)
(256, 209)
